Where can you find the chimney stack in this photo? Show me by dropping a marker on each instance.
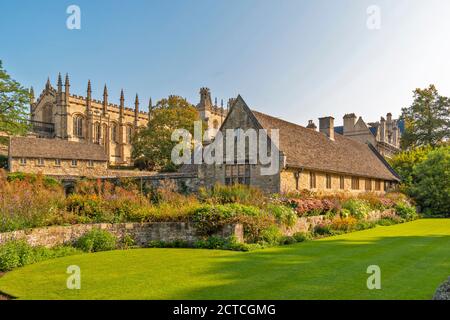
(311, 125)
(326, 126)
(349, 123)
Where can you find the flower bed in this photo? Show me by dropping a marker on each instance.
(28, 201)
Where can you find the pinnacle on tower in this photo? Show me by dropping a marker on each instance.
(205, 99)
(136, 106)
(59, 82)
(122, 105)
(31, 94)
(48, 85)
(105, 100)
(89, 90)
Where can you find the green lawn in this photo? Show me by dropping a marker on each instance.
(414, 259)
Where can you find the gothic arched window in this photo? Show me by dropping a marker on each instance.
(105, 134)
(129, 134)
(78, 126)
(47, 114)
(114, 133)
(97, 132)
(216, 124)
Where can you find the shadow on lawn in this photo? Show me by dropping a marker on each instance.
(412, 267)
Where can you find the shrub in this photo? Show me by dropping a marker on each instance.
(431, 185)
(386, 222)
(345, 213)
(312, 207)
(323, 229)
(127, 241)
(28, 201)
(271, 235)
(156, 244)
(221, 194)
(212, 242)
(209, 219)
(358, 208)
(405, 211)
(303, 236)
(364, 225)
(344, 224)
(283, 214)
(17, 253)
(96, 240)
(287, 240)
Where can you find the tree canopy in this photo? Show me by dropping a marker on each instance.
(425, 173)
(152, 146)
(14, 103)
(427, 120)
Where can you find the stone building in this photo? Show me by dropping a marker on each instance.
(56, 157)
(212, 115)
(58, 114)
(309, 159)
(385, 134)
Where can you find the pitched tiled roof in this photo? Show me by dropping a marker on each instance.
(310, 149)
(55, 149)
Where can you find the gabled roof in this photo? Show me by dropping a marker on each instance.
(310, 149)
(23, 147)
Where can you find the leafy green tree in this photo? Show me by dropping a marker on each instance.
(404, 163)
(432, 186)
(152, 146)
(14, 103)
(427, 121)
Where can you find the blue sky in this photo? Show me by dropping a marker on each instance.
(297, 60)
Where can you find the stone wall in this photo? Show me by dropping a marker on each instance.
(306, 224)
(64, 168)
(142, 233)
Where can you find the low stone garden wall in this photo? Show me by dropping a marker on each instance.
(306, 224)
(142, 233)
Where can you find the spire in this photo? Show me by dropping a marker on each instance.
(88, 97)
(122, 104)
(59, 83)
(31, 95)
(136, 102)
(105, 93)
(105, 100)
(48, 85)
(136, 110)
(89, 90)
(67, 84)
(215, 101)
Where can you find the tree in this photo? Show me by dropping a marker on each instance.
(404, 163)
(152, 146)
(427, 121)
(14, 102)
(432, 186)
